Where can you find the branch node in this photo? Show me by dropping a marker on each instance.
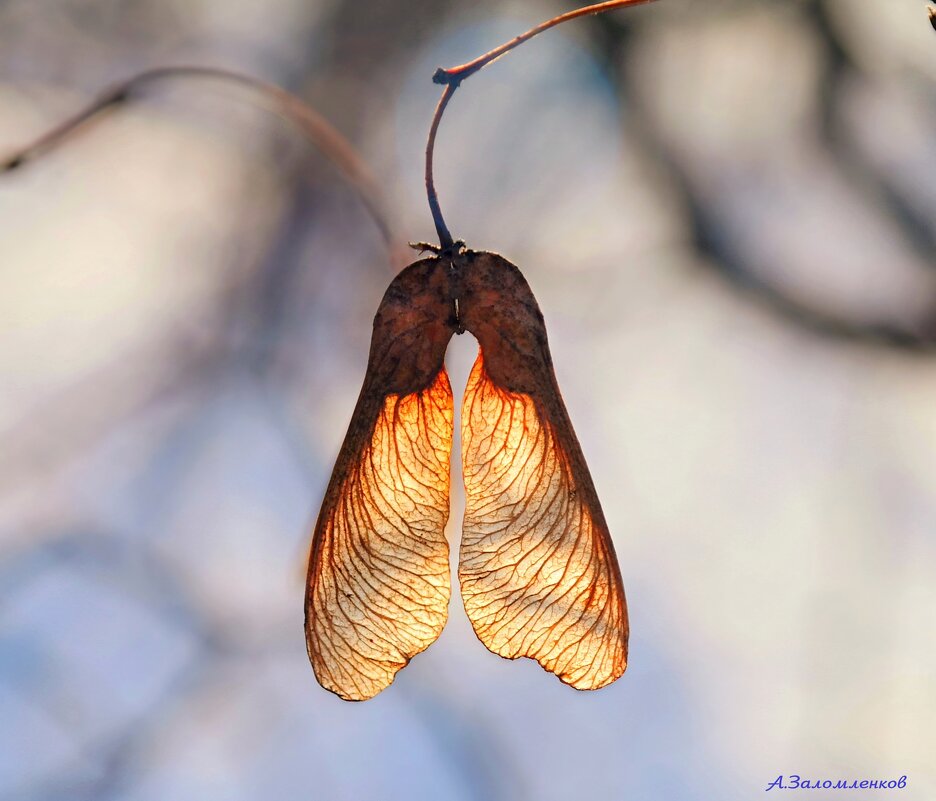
(445, 77)
(450, 250)
(11, 164)
(116, 97)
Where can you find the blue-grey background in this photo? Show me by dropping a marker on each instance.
(726, 210)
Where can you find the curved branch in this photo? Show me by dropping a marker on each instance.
(312, 124)
(445, 238)
(452, 78)
(459, 74)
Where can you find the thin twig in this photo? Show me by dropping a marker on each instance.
(459, 74)
(312, 124)
(454, 76)
(445, 238)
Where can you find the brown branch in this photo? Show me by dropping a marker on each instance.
(453, 77)
(312, 124)
(458, 74)
(445, 238)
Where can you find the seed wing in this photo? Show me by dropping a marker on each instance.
(538, 572)
(378, 582)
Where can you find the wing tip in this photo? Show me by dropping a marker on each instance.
(326, 682)
(608, 678)
(354, 696)
(601, 683)
(589, 684)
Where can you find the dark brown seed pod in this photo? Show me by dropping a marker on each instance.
(537, 567)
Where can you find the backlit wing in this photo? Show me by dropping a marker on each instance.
(537, 567)
(378, 583)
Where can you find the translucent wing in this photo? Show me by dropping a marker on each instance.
(537, 567)
(378, 582)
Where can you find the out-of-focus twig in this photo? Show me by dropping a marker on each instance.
(917, 337)
(312, 124)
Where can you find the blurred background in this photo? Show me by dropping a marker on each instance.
(727, 210)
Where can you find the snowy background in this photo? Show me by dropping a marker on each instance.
(727, 210)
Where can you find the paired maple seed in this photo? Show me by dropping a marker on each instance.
(538, 573)
(537, 568)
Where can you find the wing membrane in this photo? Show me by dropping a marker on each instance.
(538, 573)
(378, 585)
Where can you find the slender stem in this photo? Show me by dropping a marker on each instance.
(312, 124)
(445, 238)
(452, 78)
(458, 74)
